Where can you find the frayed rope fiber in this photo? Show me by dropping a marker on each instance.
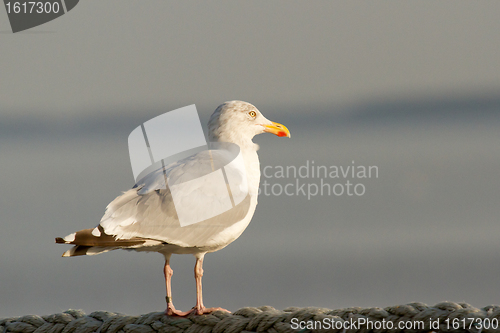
(268, 319)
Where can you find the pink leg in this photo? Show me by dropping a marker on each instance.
(198, 273)
(168, 272)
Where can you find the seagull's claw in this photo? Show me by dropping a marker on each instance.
(203, 310)
(171, 311)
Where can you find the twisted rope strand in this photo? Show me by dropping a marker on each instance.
(266, 319)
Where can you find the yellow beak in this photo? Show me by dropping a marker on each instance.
(277, 129)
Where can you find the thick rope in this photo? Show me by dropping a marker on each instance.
(451, 317)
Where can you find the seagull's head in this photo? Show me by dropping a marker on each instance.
(238, 122)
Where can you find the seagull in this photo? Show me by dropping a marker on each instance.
(144, 218)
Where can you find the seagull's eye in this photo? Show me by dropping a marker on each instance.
(252, 114)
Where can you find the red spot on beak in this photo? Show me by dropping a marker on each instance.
(281, 133)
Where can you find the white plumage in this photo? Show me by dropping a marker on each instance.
(145, 219)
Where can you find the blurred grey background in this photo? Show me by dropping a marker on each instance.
(411, 87)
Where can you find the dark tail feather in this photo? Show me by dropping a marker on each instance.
(83, 250)
(94, 241)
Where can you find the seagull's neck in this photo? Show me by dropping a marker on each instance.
(250, 157)
(252, 168)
